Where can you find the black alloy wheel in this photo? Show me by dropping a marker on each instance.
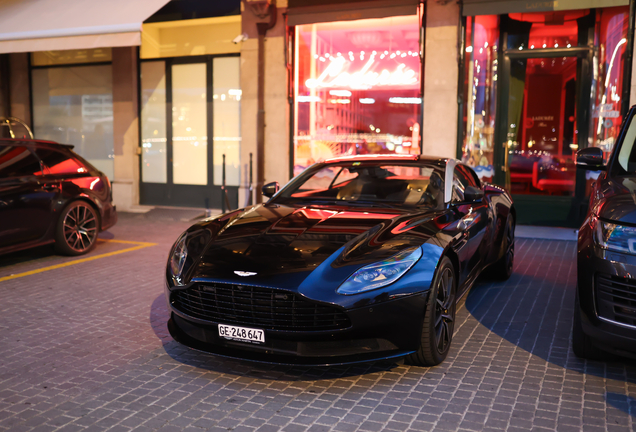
(502, 269)
(439, 318)
(77, 229)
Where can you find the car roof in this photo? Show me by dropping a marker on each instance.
(388, 158)
(38, 142)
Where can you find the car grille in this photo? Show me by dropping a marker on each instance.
(264, 308)
(616, 299)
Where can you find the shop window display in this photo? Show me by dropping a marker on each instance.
(609, 64)
(357, 89)
(480, 90)
(74, 105)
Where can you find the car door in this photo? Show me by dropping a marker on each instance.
(25, 206)
(473, 221)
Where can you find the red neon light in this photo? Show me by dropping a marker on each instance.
(337, 74)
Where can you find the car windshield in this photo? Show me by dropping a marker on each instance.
(370, 183)
(627, 153)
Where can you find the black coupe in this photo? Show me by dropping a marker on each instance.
(48, 193)
(356, 259)
(605, 301)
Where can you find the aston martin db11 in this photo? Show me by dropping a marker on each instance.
(356, 259)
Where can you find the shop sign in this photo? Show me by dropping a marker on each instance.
(605, 110)
(338, 74)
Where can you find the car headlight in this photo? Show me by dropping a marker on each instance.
(380, 274)
(178, 258)
(619, 238)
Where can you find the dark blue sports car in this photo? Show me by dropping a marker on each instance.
(356, 259)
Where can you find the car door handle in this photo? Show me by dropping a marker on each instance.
(50, 187)
(465, 222)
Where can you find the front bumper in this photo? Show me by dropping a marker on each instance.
(606, 333)
(384, 331)
(109, 216)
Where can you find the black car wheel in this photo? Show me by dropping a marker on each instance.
(439, 318)
(77, 229)
(502, 269)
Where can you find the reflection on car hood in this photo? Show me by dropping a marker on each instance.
(275, 240)
(619, 199)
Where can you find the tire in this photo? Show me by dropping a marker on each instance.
(77, 229)
(439, 318)
(502, 269)
(581, 343)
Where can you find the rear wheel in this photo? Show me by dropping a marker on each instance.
(502, 269)
(439, 318)
(77, 229)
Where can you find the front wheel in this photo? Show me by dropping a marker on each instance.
(502, 269)
(77, 229)
(439, 318)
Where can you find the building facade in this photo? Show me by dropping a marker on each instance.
(197, 103)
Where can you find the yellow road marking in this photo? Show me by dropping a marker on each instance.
(140, 245)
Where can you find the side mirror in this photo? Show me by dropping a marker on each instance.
(472, 193)
(590, 158)
(270, 189)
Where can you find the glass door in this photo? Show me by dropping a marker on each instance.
(179, 112)
(542, 128)
(539, 131)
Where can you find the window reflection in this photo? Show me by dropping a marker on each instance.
(189, 124)
(480, 88)
(357, 88)
(74, 105)
(153, 123)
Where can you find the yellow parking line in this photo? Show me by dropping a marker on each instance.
(140, 245)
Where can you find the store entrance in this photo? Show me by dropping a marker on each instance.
(190, 127)
(541, 135)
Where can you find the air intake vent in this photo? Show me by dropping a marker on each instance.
(264, 308)
(616, 299)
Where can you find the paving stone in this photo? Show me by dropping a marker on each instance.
(85, 347)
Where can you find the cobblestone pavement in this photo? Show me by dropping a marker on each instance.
(85, 347)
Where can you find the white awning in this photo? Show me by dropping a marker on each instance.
(45, 25)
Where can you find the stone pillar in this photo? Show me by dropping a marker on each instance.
(19, 97)
(276, 105)
(439, 133)
(125, 128)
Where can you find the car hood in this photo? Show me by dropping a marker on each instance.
(618, 201)
(279, 245)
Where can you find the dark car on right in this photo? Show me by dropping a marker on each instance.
(605, 301)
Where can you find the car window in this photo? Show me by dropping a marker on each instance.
(627, 153)
(460, 183)
(58, 162)
(411, 185)
(16, 161)
(470, 175)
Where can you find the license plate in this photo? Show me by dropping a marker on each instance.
(242, 334)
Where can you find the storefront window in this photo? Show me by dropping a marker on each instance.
(154, 152)
(357, 89)
(545, 30)
(226, 101)
(74, 105)
(480, 92)
(609, 65)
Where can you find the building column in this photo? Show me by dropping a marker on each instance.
(276, 104)
(19, 92)
(125, 128)
(439, 133)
